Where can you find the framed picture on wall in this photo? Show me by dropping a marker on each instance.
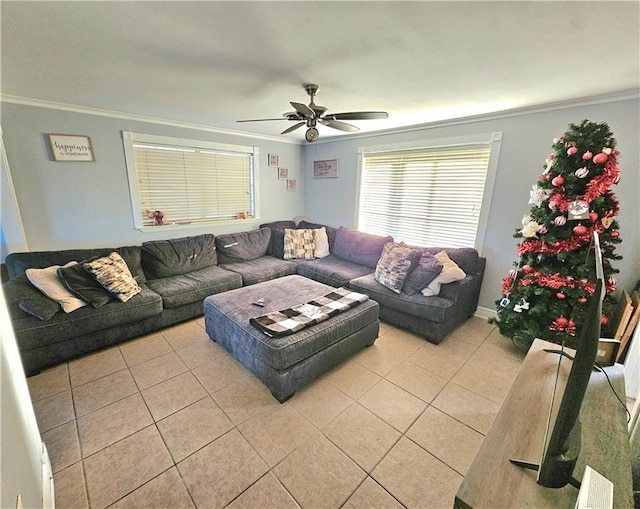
(327, 169)
(274, 160)
(71, 148)
(291, 185)
(283, 173)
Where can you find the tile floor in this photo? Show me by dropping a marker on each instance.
(170, 420)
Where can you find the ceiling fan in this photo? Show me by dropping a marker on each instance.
(312, 114)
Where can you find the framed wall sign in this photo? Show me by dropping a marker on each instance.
(283, 173)
(274, 160)
(291, 185)
(71, 148)
(326, 169)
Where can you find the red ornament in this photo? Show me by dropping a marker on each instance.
(558, 181)
(604, 320)
(580, 229)
(561, 295)
(571, 151)
(562, 321)
(582, 300)
(527, 269)
(593, 216)
(615, 234)
(600, 158)
(587, 155)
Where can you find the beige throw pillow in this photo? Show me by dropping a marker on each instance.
(321, 241)
(299, 244)
(47, 281)
(450, 273)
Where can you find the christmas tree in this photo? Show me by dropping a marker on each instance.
(547, 292)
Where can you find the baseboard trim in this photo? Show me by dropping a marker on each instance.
(485, 313)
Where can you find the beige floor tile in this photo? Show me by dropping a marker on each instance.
(185, 334)
(163, 492)
(172, 395)
(393, 404)
(111, 423)
(453, 345)
(475, 330)
(63, 445)
(243, 399)
(437, 361)
(103, 391)
(364, 437)
(231, 461)
(200, 321)
(157, 370)
(416, 478)
(371, 495)
(352, 378)
(495, 357)
(320, 402)
(144, 349)
(94, 366)
(53, 411)
(200, 353)
(266, 493)
(275, 432)
(318, 474)
(49, 382)
(380, 359)
(70, 488)
(449, 440)
(468, 407)
(416, 380)
(193, 427)
(223, 371)
(402, 341)
(124, 466)
(490, 383)
(384, 328)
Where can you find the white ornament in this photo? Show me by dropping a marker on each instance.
(526, 220)
(607, 151)
(538, 195)
(530, 229)
(582, 172)
(560, 220)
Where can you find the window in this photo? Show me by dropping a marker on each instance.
(435, 195)
(189, 181)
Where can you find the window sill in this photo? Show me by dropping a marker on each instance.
(198, 225)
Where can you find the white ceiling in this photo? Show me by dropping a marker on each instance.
(213, 63)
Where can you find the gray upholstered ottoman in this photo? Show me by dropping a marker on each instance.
(286, 363)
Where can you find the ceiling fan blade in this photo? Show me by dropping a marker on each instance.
(303, 109)
(358, 115)
(342, 126)
(293, 128)
(261, 119)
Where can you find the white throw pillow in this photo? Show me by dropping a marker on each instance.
(46, 280)
(450, 273)
(322, 242)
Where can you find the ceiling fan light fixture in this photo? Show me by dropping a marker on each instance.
(311, 135)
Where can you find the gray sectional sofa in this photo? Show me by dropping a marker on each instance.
(176, 275)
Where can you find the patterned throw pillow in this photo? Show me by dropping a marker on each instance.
(114, 275)
(395, 263)
(299, 244)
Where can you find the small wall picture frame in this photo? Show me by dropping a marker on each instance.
(291, 185)
(71, 148)
(283, 174)
(274, 160)
(327, 169)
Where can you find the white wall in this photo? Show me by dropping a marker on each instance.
(527, 140)
(69, 205)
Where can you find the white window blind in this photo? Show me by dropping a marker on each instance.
(189, 181)
(424, 196)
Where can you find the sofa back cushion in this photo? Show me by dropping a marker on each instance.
(464, 257)
(358, 247)
(165, 258)
(243, 246)
(276, 245)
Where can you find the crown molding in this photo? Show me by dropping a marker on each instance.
(26, 101)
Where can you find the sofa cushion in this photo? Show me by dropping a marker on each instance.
(83, 285)
(359, 247)
(243, 246)
(194, 286)
(331, 270)
(299, 244)
(396, 261)
(331, 231)
(427, 269)
(450, 273)
(164, 258)
(46, 280)
(262, 269)
(114, 275)
(429, 308)
(276, 244)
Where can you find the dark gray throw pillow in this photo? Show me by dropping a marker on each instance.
(29, 299)
(83, 285)
(427, 269)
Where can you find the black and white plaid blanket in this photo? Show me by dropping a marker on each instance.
(291, 320)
